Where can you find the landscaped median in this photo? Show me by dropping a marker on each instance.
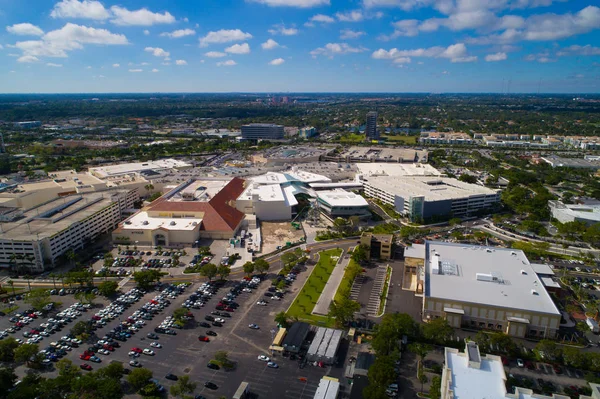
(307, 298)
(384, 292)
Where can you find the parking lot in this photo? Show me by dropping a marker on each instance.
(183, 353)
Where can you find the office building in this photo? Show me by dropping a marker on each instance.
(192, 210)
(480, 287)
(588, 212)
(307, 132)
(423, 198)
(371, 131)
(469, 375)
(342, 203)
(380, 245)
(27, 124)
(34, 241)
(262, 131)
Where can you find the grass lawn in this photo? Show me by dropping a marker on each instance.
(401, 139)
(306, 300)
(353, 138)
(353, 269)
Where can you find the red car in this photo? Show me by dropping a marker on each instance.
(33, 316)
(108, 347)
(228, 309)
(203, 338)
(19, 324)
(84, 357)
(94, 317)
(85, 366)
(136, 350)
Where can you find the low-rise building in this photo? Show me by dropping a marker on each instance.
(296, 334)
(342, 203)
(380, 245)
(262, 131)
(588, 213)
(324, 346)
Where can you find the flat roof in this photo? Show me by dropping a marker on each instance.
(342, 198)
(486, 382)
(542, 269)
(161, 164)
(265, 192)
(415, 251)
(397, 169)
(433, 188)
(141, 221)
(463, 271)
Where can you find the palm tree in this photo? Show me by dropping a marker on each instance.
(70, 255)
(28, 278)
(12, 285)
(53, 277)
(149, 188)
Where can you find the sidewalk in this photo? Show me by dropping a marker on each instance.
(326, 297)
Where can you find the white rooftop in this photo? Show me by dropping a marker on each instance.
(136, 167)
(415, 251)
(486, 382)
(200, 190)
(431, 187)
(342, 198)
(542, 269)
(141, 221)
(265, 192)
(451, 272)
(397, 169)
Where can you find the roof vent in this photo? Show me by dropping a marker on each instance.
(513, 253)
(534, 292)
(145, 222)
(488, 250)
(173, 223)
(523, 272)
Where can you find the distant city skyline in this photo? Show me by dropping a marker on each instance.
(303, 46)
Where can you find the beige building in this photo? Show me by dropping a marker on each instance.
(380, 245)
(486, 288)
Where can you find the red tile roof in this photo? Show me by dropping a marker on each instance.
(219, 214)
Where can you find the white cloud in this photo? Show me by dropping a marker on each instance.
(224, 36)
(157, 52)
(146, 32)
(58, 43)
(144, 63)
(270, 45)
(322, 18)
(154, 70)
(165, 63)
(52, 64)
(332, 49)
(455, 53)
(346, 34)
(280, 29)
(575, 49)
(25, 29)
(357, 15)
(227, 63)
(215, 54)
(88, 67)
(116, 65)
(86, 9)
(277, 61)
(243, 48)
(141, 17)
(402, 60)
(28, 59)
(496, 57)
(180, 62)
(293, 3)
(1, 47)
(179, 33)
(136, 70)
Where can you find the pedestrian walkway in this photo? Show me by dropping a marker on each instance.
(374, 299)
(331, 286)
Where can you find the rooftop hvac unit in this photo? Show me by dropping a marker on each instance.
(485, 277)
(145, 222)
(523, 271)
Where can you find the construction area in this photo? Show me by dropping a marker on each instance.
(278, 234)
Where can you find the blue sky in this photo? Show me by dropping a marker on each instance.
(300, 46)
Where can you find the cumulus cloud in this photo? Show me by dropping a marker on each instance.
(58, 43)
(280, 29)
(157, 51)
(346, 34)
(322, 18)
(293, 3)
(332, 49)
(356, 15)
(116, 65)
(215, 54)
(28, 59)
(154, 70)
(180, 62)
(227, 63)
(136, 70)
(52, 64)
(277, 61)
(496, 57)
(269, 44)
(243, 48)
(141, 17)
(455, 53)
(179, 33)
(86, 9)
(224, 36)
(25, 29)
(146, 32)
(575, 49)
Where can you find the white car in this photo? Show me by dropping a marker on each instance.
(272, 365)
(134, 354)
(253, 326)
(219, 319)
(103, 351)
(148, 352)
(264, 358)
(155, 345)
(261, 303)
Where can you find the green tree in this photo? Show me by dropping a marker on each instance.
(209, 271)
(85, 297)
(38, 298)
(182, 387)
(551, 351)
(381, 373)
(468, 178)
(222, 357)
(420, 349)
(179, 314)
(80, 328)
(454, 221)
(248, 268)
(391, 329)
(7, 349)
(343, 311)
(289, 259)
(28, 353)
(435, 390)
(108, 288)
(261, 266)
(108, 260)
(437, 330)
(341, 225)
(223, 271)
(139, 377)
(113, 371)
(360, 253)
(11, 284)
(145, 279)
(281, 318)
(7, 380)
